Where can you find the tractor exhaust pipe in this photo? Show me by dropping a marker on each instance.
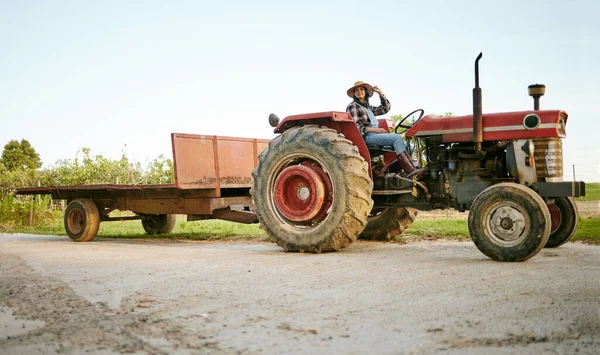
(477, 109)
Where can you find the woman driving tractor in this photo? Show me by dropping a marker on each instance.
(364, 116)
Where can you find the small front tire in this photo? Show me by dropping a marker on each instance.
(509, 222)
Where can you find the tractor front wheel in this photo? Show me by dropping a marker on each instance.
(312, 190)
(387, 223)
(509, 222)
(565, 218)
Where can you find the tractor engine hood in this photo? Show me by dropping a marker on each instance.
(500, 126)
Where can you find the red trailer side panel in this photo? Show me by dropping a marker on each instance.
(214, 162)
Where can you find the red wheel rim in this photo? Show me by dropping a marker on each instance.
(299, 193)
(328, 189)
(555, 217)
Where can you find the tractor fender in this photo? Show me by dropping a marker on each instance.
(342, 122)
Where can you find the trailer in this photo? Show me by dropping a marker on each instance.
(213, 177)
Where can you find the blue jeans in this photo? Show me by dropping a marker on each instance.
(387, 140)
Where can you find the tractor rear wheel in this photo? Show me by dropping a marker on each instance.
(565, 218)
(387, 223)
(312, 190)
(509, 222)
(158, 223)
(82, 220)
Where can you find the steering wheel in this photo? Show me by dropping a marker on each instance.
(406, 127)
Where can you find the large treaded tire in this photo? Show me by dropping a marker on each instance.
(388, 223)
(82, 220)
(158, 223)
(564, 210)
(344, 216)
(509, 222)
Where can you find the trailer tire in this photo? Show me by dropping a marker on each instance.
(82, 220)
(565, 218)
(158, 223)
(509, 222)
(311, 190)
(388, 223)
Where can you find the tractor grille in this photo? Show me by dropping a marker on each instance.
(548, 157)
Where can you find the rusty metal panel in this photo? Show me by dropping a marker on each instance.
(194, 161)
(236, 158)
(214, 161)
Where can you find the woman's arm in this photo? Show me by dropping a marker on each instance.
(385, 103)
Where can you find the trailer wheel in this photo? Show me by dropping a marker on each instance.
(509, 222)
(158, 223)
(565, 218)
(82, 220)
(312, 190)
(387, 223)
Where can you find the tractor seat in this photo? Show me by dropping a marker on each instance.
(374, 149)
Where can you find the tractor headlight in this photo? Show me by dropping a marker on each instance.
(531, 121)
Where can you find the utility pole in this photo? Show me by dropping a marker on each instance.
(574, 173)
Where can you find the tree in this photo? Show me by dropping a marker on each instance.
(160, 171)
(20, 155)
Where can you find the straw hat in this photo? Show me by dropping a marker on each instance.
(367, 87)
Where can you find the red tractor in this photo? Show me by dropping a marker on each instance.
(318, 186)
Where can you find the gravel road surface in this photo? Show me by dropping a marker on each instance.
(157, 297)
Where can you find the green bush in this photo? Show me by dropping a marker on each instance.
(17, 210)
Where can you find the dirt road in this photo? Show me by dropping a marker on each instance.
(114, 296)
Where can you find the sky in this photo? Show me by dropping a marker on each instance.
(119, 77)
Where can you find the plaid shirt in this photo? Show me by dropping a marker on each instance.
(359, 112)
